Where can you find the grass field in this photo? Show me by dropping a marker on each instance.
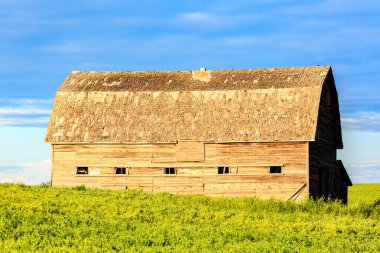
(44, 219)
(363, 193)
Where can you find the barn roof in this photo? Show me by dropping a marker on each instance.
(255, 105)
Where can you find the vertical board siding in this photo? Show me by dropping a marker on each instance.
(248, 163)
(322, 152)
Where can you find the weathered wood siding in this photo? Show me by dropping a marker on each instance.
(190, 151)
(325, 177)
(249, 164)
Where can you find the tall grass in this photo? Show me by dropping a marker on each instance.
(42, 219)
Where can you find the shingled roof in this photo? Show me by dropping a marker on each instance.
(250, 105)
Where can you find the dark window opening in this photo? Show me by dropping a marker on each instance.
(223, 170)
(275, 169)
(169, 171)
(82, 170)
(120, 171)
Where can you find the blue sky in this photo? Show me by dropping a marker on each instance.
(41, 42)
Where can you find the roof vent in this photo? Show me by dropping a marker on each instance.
(201, 75)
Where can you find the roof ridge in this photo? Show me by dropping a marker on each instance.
(173, 71)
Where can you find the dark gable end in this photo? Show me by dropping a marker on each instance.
(329, 129)
(253, 105)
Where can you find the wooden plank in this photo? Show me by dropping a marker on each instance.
(250, 170)
(190, 151)
(146, 171)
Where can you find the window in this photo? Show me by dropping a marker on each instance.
(120, 170)
(82, 170)
(275, 169)
(224, 170)
(169, 171)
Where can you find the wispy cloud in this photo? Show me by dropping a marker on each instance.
(199, 18)
(25, 101)
(24, 121)
(364, 171)
(29, 101)
(369, 121)
(28, 173)
(67, 48)
(332, 7)
(24, 112)
(208, 20)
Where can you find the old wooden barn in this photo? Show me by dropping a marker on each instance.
(252, 132)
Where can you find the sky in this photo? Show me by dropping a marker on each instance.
(41, 42)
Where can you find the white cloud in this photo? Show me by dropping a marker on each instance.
(207, 20)
(198, 17)
(23, 121)
(245, 41)
(29, 101)
(333, 7)
(89, 46)
(26, 101)
(24, 111)
(26, 19)
(366, 164)
(29, 173)
(364, 171)
(369, 121)
(66, 48)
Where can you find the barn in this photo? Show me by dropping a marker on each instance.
(270, 133)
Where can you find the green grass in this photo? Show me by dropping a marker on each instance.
(363, 193)
(44, 219)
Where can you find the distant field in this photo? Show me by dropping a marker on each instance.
(44, 219)
(360, 193)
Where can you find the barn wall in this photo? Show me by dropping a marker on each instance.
(339, 187)
(325, 177)
(249, 164)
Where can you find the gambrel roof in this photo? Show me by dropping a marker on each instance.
(248, 105)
